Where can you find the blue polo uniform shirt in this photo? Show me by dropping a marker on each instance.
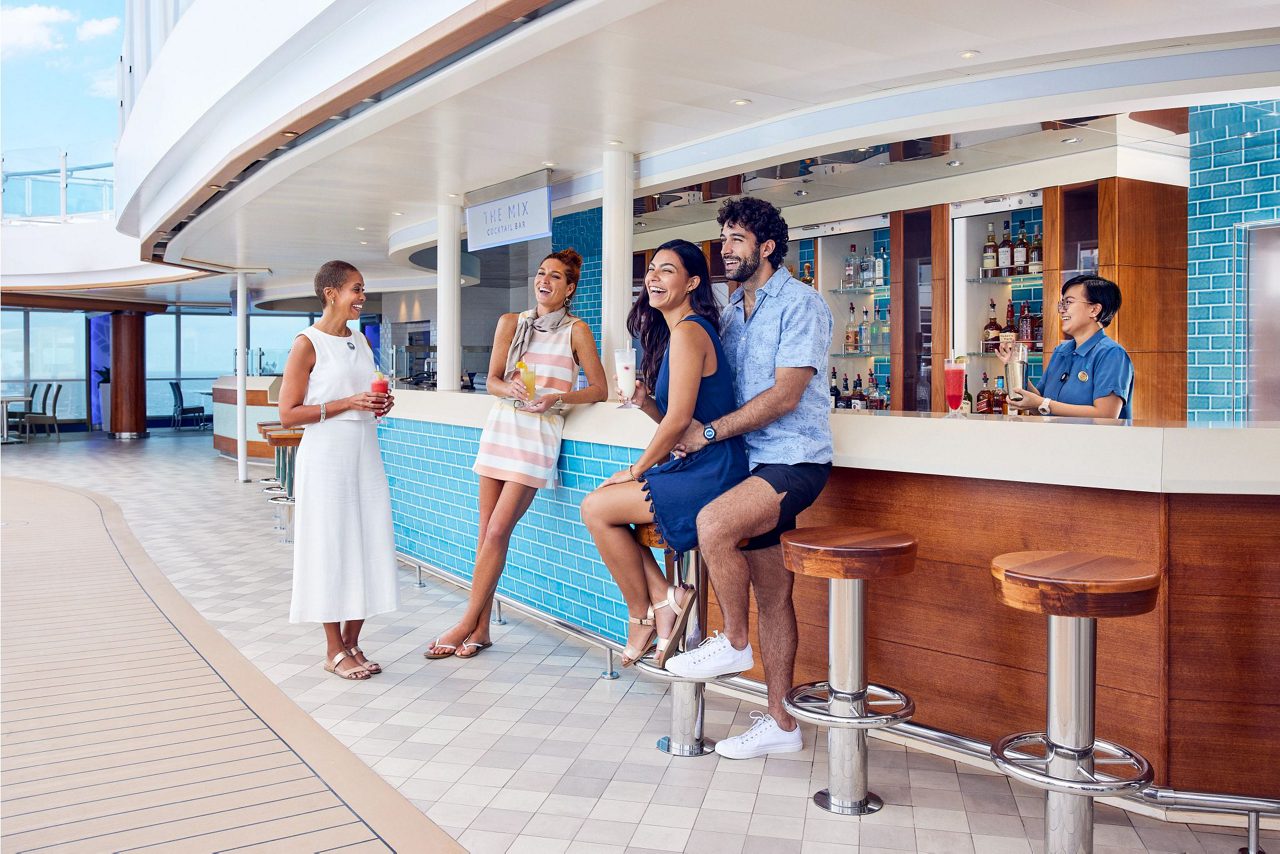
(1095, 369)
(789, 328)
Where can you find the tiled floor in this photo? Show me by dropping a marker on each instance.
(162, 737)
(524, 749)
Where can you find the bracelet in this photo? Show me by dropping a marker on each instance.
(631, 472)
(322, 413)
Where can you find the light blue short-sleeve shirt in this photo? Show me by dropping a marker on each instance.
(1095, 369)
(789, 328)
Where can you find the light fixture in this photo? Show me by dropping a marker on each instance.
(740, 102)
(549, 163)
(359, 228)
(368, 100)
(955, 162)
(802, 192)
(336, 118)
(215, 186)
(864, 149)
(613, 142)
(970, 54)
(397, 213)
(453, 195)
(364, 243)
(1071, 140)
(290, 134)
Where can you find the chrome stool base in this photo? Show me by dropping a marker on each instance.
(868, 805)
(701, 747)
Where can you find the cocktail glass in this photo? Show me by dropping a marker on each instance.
(953, 374)
(624, 365)
(378, 386)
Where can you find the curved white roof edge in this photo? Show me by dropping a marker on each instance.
(77, 255)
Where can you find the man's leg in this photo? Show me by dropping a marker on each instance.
(778, 636)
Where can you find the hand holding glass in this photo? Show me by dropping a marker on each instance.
(379, 386)
(624, 364)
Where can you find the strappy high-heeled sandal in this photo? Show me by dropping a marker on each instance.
(630, 656)
(681, 601)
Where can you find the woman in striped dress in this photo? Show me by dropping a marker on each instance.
(521, 440)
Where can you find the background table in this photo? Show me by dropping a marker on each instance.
(4, 411)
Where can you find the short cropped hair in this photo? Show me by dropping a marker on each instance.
(761, 219)
(331, 275)
(1103, 292)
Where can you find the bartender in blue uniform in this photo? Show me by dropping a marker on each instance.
(1088, 375)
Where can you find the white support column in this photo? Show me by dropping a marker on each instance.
(242, 372)
(616, 244)
(449, 298)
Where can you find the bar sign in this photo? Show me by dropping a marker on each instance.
(512, 219)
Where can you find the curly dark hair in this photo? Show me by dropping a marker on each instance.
(649, 327)
(761, 219)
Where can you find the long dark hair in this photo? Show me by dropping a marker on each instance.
(647, 324)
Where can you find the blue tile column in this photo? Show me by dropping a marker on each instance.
(583, 231)
(1234, 171)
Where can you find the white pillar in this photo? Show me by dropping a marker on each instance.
(449, 298)
(616, 244)
(242, 372)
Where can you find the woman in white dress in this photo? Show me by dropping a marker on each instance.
(344, 561)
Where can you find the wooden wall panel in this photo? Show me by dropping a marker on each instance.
(253, 396)
(1225, 545)
(1150, 224)
(940, 234)
(897, 334)
(1052, 242)
(1223, 746)
(227, 445)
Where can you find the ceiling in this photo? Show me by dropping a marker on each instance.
(662, 77)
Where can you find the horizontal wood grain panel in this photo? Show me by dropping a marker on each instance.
(253, 396)
(227, 445)
(1223, 746)
(1224, 545)
(1232, 642)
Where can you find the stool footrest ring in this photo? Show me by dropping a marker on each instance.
(813, 703)
(1035, 750)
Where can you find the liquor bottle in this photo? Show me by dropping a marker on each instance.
(886, 335)
(844, 386)
(985, 397)
(866, 269)
(885, 395)
(1000, 402)
(989, 252)
(881, 266)
(851, 266)
(966, 404)
(1020, 248)
(835, 390)
(873, 393)
(807, 277)
(851, 332)
(990, 333)
(1026, 327)
(1009, 328)
(864, 333)
(1035, 255)
(1004, 253)
(859, 395)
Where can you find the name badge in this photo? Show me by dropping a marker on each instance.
(1083, 377)
(351, 345)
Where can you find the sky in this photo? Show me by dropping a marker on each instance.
(58, 79)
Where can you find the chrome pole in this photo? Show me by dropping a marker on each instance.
(1253, 844)
(1068, 820)
(846, 792)
(688, 701)
(609, 672)
(496, 617)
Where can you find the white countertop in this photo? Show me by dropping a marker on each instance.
(1173, 458)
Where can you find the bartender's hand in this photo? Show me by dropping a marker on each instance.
(1005, 351)
(1026, 399)
(691, 442)
(541, 404)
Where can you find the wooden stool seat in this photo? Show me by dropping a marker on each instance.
(1075, 584)
(647, 535)
(849, 553)
(265, 426)
(284, 438)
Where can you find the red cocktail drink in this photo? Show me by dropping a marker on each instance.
(378, 386)
(954, 376)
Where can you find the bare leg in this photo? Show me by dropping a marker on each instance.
(502, 504)
(609, 513)
(351, 639)
(778, 636)
(747, 510)
(334, 645)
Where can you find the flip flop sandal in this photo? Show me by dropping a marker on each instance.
(437, 645)
(681, 600)
(372, 666)
(478, 647)
(352, 674)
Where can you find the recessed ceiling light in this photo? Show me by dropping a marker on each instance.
(397, 213)
(955, 162)
(215, 186)
(364, 243)
(368, 100)
(548, 163)
(864, 149)
(336, 118)
(802, 192)
(613, 142)
(453, 195)
(740, 102)
(1071, 140)
(359, 228)
(289, 133)
(970, 54)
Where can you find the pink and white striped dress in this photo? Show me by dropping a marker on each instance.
(522, 446)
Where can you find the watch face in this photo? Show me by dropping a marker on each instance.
(709, 433)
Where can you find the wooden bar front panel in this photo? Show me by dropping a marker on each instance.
(977, 668)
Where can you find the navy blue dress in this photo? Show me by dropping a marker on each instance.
(679, 488)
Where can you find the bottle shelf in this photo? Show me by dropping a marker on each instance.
(876, 286)
(1031, 279)
(863, 354)
(1031, 353)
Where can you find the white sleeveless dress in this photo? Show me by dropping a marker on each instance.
(344, 561)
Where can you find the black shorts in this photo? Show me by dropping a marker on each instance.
(799, 485)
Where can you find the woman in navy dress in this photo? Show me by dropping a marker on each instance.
(677, 323)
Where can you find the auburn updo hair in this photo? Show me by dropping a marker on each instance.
(331, 275)
(572, 261)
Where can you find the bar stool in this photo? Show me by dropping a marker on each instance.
(272, 485)
(286, 441)
(688, 705)
(846, 704)
(1074, 590)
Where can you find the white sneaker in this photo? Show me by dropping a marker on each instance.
(714, 657)
(764, 737)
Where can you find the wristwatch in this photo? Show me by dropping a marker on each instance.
(709, 433)
(1044, 407)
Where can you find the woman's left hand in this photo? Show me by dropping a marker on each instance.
(540, 404)
(623, 476)
(388, 402)
(1027, 399)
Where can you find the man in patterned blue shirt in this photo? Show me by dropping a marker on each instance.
(776, 335)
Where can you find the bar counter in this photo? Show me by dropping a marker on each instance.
(1194, 685)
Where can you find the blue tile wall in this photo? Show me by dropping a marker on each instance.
(435, 512)
(1234, 173)
(583, 231)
